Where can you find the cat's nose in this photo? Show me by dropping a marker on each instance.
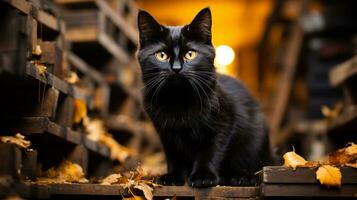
(176, 68)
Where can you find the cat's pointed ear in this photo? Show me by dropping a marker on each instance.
(149, 28)
(201, 25)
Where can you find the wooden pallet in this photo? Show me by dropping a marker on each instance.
(28, 27)
(285, 182)
(111, 191)
(92, 82)
(101, 29)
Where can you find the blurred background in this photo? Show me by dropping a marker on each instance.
(74, 60)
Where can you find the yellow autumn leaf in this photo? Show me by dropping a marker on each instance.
(80, 111)
(18, 140)
(351, 150)
(37, 50)
(329, 176)
(291, 159)
(72, 78)
(41, 69)
(64, 173)
(134, 198)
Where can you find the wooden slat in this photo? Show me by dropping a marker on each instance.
(42, 125)
(112, 47)
(82, 34)
(343, 71)
(307, 190)
(280, 174)
(127, 29)
(167, 191)
(59, 84)
(43, 17)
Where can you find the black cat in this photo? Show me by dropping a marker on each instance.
(212, 130)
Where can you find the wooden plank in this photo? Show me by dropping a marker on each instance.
(24, 125)
(166, 191)
(59, 84)
(82, 34)
(42, 125)
(43, 17)
(10, 162)
(29, 164)
(343, 71)
(111, 46)
(127, 29)
(280, 174)
(307, 190)
(65, 111)
(286, 80)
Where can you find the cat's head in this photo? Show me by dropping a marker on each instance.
(170, 53)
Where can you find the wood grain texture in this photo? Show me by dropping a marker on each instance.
(280, 174)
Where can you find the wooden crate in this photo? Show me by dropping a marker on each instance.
(99, 30)
(282, 182)
(25, 28)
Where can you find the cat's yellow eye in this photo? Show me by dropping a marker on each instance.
(190, 55)
(161, 56)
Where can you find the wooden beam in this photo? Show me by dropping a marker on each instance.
(340, 73)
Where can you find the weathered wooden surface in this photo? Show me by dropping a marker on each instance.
(279, 181)
(343, 71)
(281, 175)
(307, 190)
(41, 125)
(45, 191)
(10, 160)
(43, 17)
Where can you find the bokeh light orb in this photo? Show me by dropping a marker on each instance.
(224, 55)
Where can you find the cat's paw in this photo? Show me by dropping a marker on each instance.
(170, 179)
(244, 181)
(202, 178)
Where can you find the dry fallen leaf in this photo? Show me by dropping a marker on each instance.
(331, 113)
(114, 179)
(291, 159)
(97, 132)
(72, 78)
(342, 156)
(147, 190)
(134, 198)
(80, 111)
(66, 172)
(134, 181)
(329, 176)
(41, 69)
(351, 150)
(18, 140)
(37, 51)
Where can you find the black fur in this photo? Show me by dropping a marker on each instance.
(212, 130)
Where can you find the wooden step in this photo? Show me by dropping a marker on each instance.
(97, 190)
(279, 181)
(340, 73)
(35, 126)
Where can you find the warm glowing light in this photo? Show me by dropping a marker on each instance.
(224, 55)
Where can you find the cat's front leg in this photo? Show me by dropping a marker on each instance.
(176, 167)
(205, 168)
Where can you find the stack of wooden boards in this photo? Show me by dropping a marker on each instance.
(44, 73)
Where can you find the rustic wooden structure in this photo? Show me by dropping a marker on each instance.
(342, 128)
